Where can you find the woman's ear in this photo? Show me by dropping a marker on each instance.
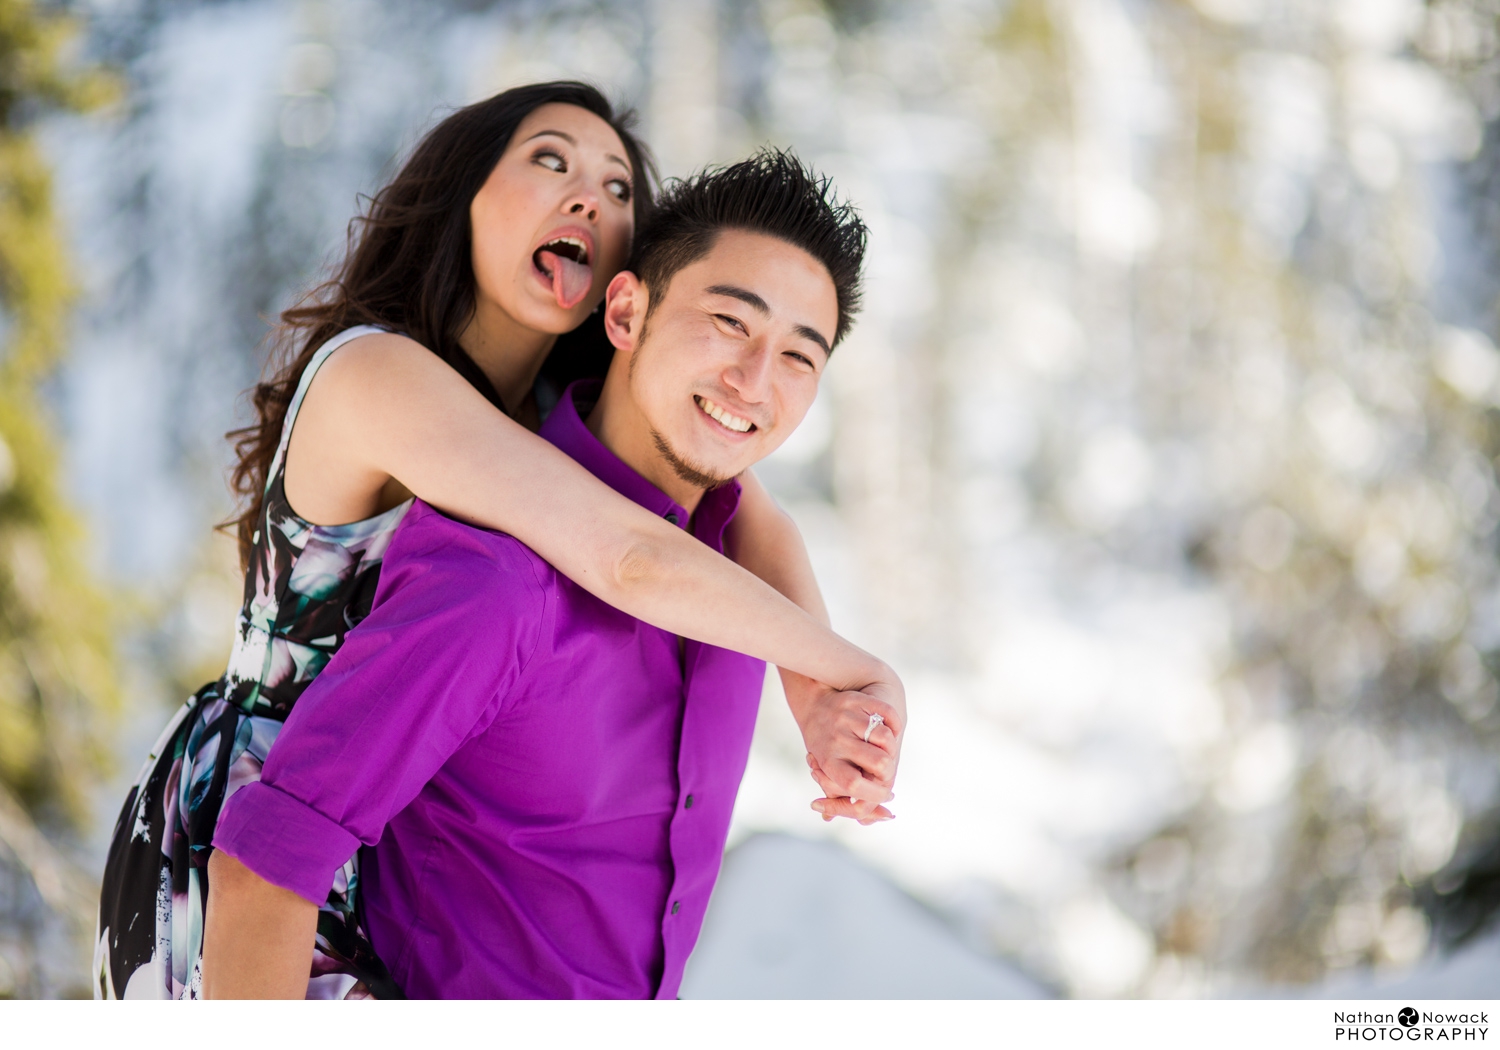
(625, 303)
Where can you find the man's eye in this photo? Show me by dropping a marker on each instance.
(800, 358)
(550, 160)
(620, 188)
(733, 322)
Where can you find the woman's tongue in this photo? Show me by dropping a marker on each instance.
(570, 280)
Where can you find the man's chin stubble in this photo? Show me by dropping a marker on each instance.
(695, 476)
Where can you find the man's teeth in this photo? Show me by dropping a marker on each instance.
(731, 421)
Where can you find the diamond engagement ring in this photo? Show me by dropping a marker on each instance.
(875, 720)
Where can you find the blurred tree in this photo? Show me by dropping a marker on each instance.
(1189, 297)
(1195, 264)
(1462, 39)
(57, 681)
(1285, 356)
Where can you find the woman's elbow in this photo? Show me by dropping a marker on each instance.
(642, 563)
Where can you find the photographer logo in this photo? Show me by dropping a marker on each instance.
(1410, 1025)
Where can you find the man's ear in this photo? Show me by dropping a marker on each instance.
(625, 302)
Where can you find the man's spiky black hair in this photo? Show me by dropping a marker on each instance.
(773, 193)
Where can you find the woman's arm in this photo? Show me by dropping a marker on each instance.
(257, 937)
(765, 540)
(385, 408)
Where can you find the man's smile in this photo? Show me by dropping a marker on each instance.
(723, 416)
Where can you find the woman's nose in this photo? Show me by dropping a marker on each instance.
(585, 205)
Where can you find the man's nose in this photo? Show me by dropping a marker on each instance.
(749, 375)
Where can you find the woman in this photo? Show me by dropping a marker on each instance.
(500, 233)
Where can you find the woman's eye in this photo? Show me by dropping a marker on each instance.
(551, 161)
(620, 188)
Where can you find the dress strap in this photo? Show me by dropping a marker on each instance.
(311, 370)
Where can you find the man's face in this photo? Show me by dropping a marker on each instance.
(729, 362)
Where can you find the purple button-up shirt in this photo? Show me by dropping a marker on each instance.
(542, 782)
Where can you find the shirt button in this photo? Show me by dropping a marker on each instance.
(688, 802)
(673, 518)
(676, 907)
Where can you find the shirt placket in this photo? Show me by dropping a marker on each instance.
(684, 838)
(687, 834)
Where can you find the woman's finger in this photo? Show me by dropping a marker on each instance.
(881, 736)
(873, 760)
(849, 780)
(878, 704)
(860, 718)
(832, 790)
(852, 759)
(865, 813)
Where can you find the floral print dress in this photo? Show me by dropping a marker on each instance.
(306, 587)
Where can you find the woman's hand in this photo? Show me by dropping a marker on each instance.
(855, 775)
(833, 805)
(764, 539)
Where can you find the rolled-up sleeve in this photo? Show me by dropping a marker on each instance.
(455, 621)
(283, 840)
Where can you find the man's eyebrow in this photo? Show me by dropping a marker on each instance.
(758, 304)
(812, 333)
(744, 295)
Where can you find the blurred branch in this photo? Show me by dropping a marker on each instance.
(56, 661)
(35, 74)
(63, 887)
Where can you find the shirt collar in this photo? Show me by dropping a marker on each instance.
(566, 429)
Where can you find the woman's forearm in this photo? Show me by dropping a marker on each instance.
(688, 589)
(674, 582)
(400, 412)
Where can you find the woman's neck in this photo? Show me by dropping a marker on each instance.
(509, 354)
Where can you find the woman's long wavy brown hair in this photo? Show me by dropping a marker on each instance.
(408, 268)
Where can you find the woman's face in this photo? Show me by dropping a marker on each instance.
(553, 222)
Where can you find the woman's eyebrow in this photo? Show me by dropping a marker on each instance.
(621, 161)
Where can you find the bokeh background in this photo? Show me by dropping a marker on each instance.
(1161, 463)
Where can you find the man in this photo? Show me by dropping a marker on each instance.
(543, 784)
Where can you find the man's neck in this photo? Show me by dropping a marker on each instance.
(620, 427)
(508, 353)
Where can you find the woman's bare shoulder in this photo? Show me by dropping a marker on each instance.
(375, 353)
(391, 419)
(380, 367)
